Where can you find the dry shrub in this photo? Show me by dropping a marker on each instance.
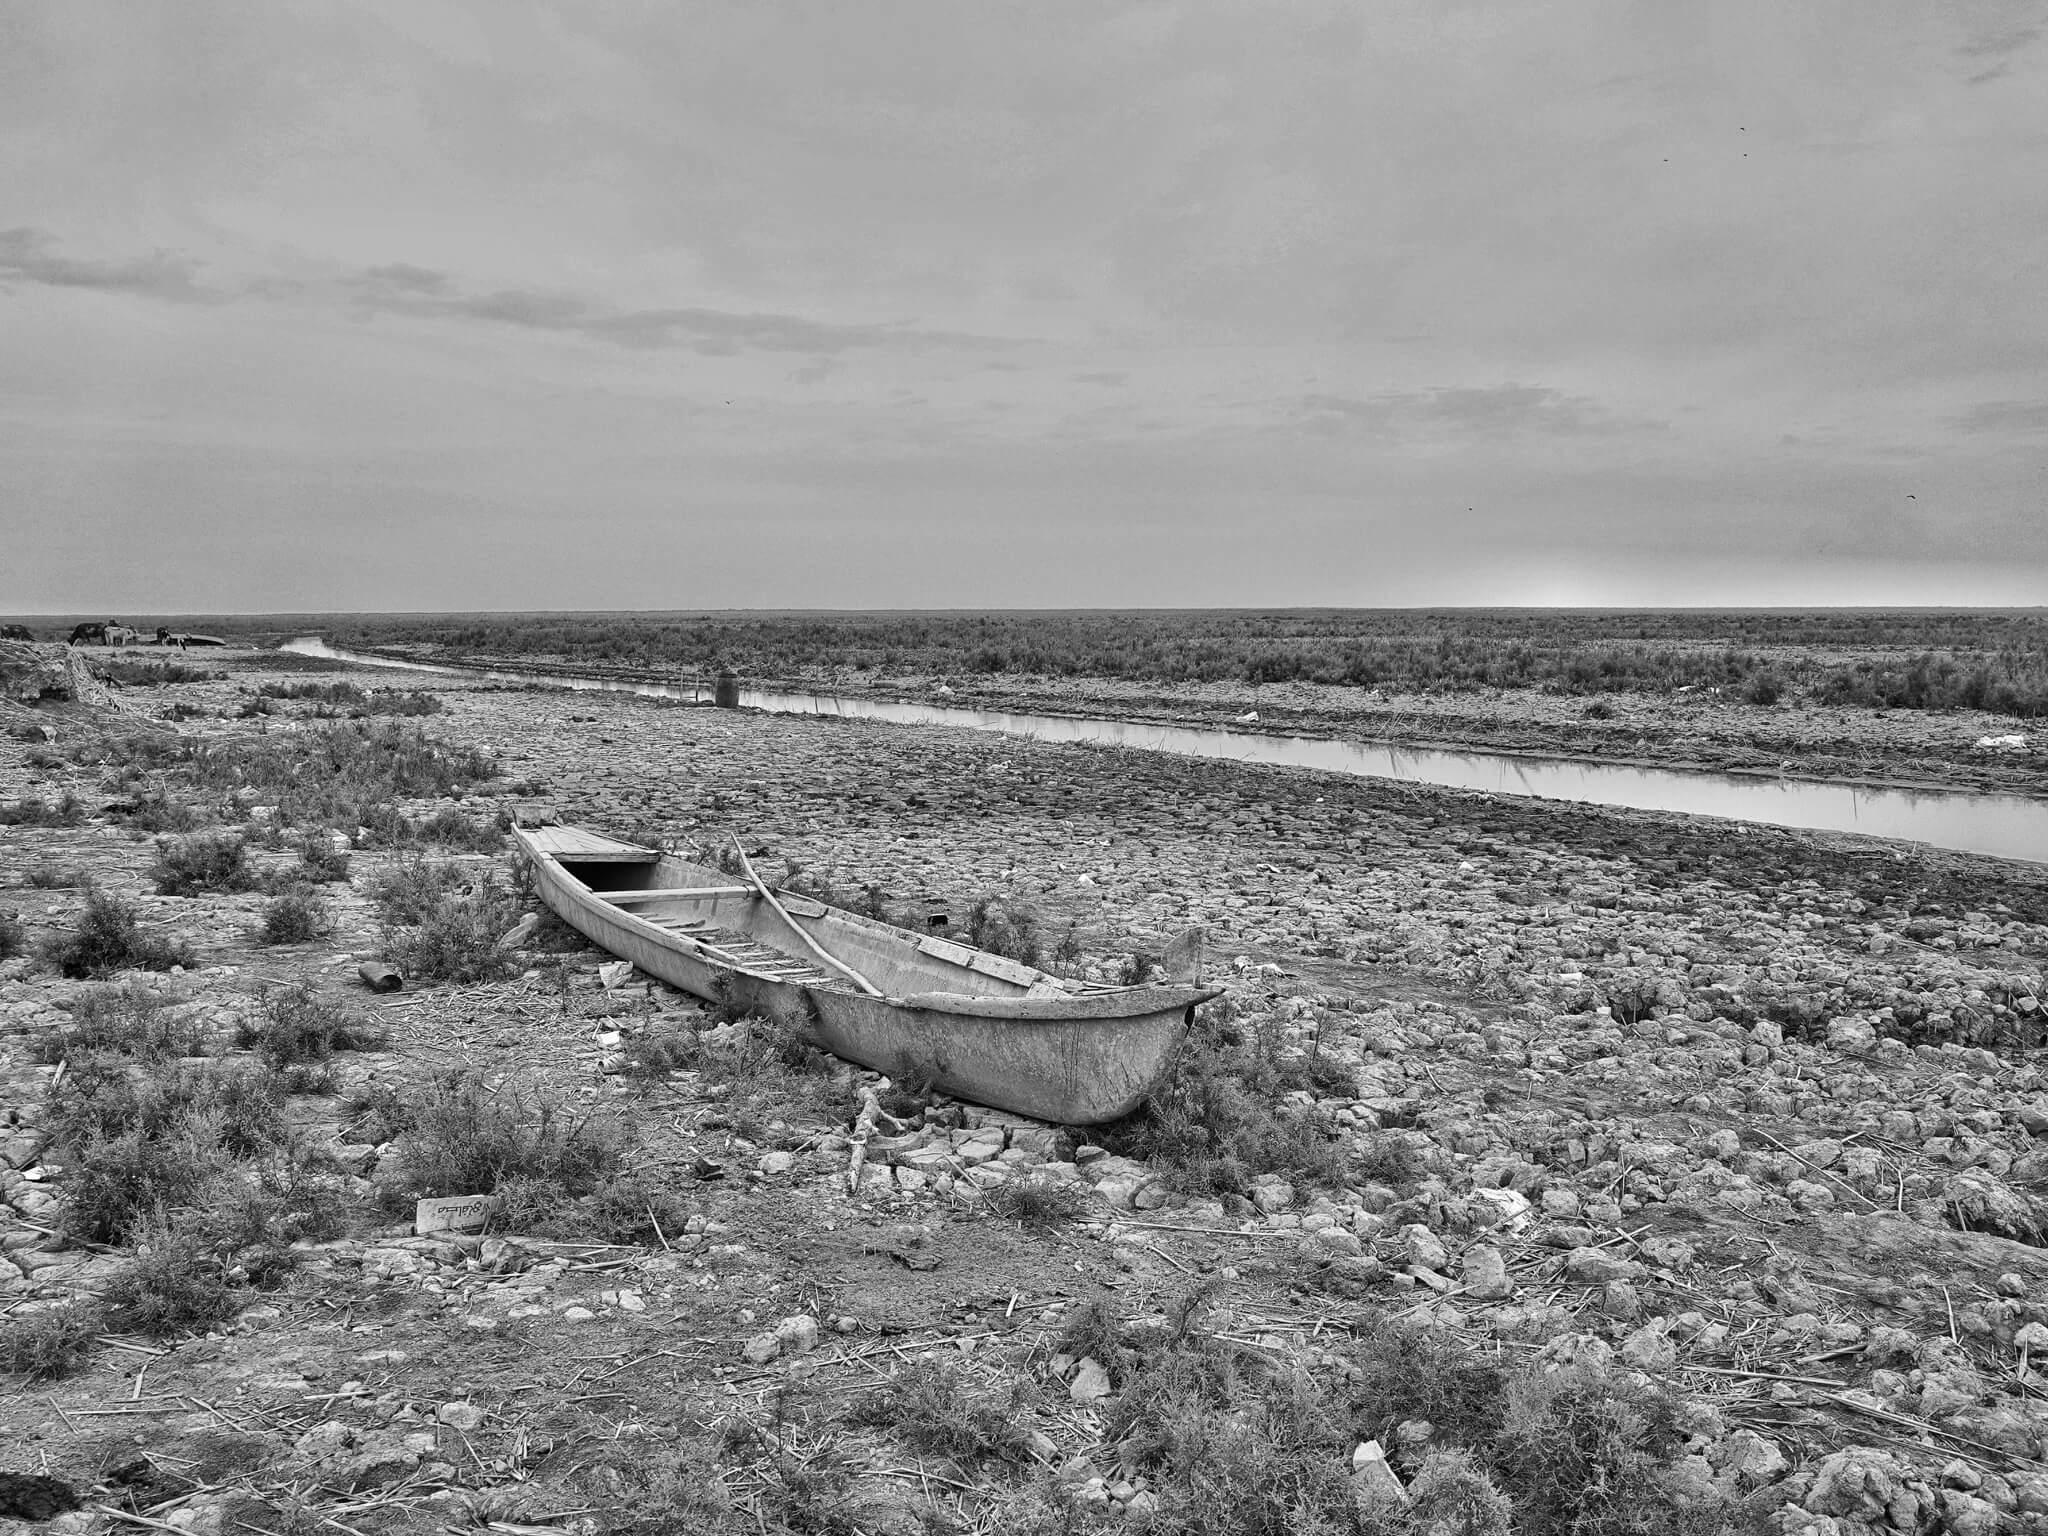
(109, 938)
(939, 1410)
(295, 1026)
(295, 915)
(457, 940)
(204, 862)
(130, 1019)
(411, 888)
(468, 1138)
(1038, 1204)
(50, 1342)
(1223, 1118)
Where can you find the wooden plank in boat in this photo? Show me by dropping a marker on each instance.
(946, 949)
(579, 846)
(676, 892)
(978, 960)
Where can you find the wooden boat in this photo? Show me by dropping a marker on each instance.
(979, 1026)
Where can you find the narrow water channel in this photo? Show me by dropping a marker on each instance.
(2007, 826)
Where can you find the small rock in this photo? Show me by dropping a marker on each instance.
(459, 1415)
(1374, 1484)
(798, 1334)
(1486, 1274)
(1090, 1383)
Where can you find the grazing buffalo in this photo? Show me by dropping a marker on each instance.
(166, 638)
(90, 633)
(16, 632)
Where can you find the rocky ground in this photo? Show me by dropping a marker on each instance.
(1751, 1119)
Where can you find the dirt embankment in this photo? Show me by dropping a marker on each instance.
(1755, 1118)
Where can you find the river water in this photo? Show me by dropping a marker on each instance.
(2007, 826)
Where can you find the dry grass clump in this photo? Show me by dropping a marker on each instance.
(295, 1026)
(632, 1206)
(433, 933)
(1224, 1117)
(1038, 1204)
(109, 938)
(295, 915)
(54, 877)
(656, 1053)
(33, 811)
(412, 887)
(132, 672)
(132, 1019)
(320, 859)
(938, 1409)
(457, 940)
(1005, 928)
(467, 1137)
(190, 866)
(50, 1342)
(337, 775)
(767, 1071)
(142, 1142)
(1237, 1444)
(174, 1283)
(452, 828)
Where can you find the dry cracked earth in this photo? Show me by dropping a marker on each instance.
(1752, 1116)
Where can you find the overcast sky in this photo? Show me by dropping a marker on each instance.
(405, 304)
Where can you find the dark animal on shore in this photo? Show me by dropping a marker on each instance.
(90, 633)
(165, 637)
(16, 632)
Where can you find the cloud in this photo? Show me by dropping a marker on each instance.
(424, 293)
(1995, 44)
(2028, 417)
(27, 256)
(1496, 411)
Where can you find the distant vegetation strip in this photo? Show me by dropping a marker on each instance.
(1994, 660)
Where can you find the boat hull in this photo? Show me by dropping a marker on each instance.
(1069, 1058)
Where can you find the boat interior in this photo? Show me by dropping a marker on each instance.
(725, 916)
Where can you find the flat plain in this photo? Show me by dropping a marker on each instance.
(1547, 1168)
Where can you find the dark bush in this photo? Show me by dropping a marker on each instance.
(51, 1342)
(936, 1409)
(109, 938)
(467, 1138)
(131, 1020)
(1223, 1117)
(457, 940)
(1005, 929)
(175, 1283)
(13, 938)
(295, 915)
(451, 828)
(296, 1027)
(69, 811)
(189, 866)
(319, 857)
(412, 887)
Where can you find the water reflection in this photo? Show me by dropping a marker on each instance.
(2004, 825)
